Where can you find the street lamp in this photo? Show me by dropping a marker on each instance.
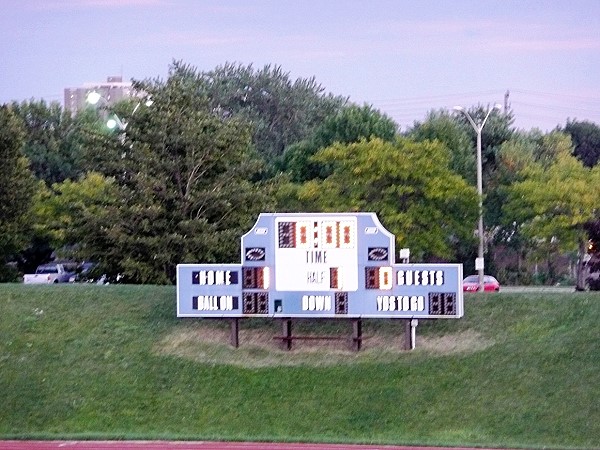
(115, 122)
(93, 98)
(479, 262)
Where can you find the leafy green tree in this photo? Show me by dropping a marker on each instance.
(17, 188)
(68, 212)
(586, 138)
(408, 184)
(515, 157)
(444, 127)
(280, 111)
(52, 140)
(188, 182)
(53, 143)
(351, 124)
(554, 203)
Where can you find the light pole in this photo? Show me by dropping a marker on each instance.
(93, 98)
(114, 121)
(479, 262)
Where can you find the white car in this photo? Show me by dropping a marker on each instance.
(51, 273)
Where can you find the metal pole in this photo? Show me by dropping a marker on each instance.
(356, 334)
(234, 334)
(478, 128)
(413, 333)
(287, 334)
(410, 334)
(480, 193)
(408, 345)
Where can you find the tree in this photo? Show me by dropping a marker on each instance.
(554, 203)
(187, 178)
(513, 160)
(52, 140)
(351, 124)
(68, 213)
(444, 127)
(408, 184)
(17, 188)
(280, 111)
(515, 157)
(586, 138)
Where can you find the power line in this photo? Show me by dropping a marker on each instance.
(557, 95)
(555, 107)
(534, 108)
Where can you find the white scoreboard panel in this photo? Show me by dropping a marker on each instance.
(319, 265)
(322, 252)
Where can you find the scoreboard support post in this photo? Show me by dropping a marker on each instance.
(286, 328)
(234, 336)
(407, 335)
(410, 333)
(356, 334)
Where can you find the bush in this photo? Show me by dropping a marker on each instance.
(9, 273)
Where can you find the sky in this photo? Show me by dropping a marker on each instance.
(403, 57)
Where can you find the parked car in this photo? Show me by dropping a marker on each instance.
(471, 284)
(88, 272)
(51, 273)
(82, 273)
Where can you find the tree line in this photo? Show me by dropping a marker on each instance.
(189, 174)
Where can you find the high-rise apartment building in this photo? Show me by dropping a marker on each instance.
(112, 91)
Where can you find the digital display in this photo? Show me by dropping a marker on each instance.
(256, 303)
(443, 304)
(255, 277)
(322, 253)
(378, 278)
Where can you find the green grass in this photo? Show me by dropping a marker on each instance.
(111, 362)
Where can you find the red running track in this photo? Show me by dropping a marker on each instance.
(200, 445)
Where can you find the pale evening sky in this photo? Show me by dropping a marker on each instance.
(404, 57)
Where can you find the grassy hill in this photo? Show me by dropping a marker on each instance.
(110, 362)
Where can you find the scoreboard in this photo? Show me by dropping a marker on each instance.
(322, 265)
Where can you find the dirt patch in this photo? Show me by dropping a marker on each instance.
(463, 342)
(257, 348)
